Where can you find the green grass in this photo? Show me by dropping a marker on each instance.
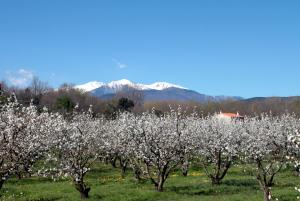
(107, 184)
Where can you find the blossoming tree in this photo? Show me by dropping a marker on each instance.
(216, 143)
(23, 138)
(160, 145)
(76, 147)
(267, 145)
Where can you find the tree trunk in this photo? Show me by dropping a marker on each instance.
(123, 165)
(123, 171)
(215, 180)
(1, 183)
(160, 184)
(83, 189)
(267, 193)
(27, 172)
(184, 173)
(137, 176)
(185, 168)
(137, 173)
(19, 175)
(113, 162)
(297, 171)
(265, 179)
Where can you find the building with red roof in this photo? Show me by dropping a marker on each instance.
(232, 116)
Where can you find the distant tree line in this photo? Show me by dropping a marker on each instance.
(66, 97)
(275, 106)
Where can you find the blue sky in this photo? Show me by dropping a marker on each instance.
(226, 47)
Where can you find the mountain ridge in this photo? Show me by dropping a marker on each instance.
(158, 91)
(89, 86)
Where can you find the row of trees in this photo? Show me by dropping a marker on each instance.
(152, 144)
(249, 107)
(65, 98)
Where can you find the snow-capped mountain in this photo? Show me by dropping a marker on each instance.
(158, 91)
(163, 85)
(89, 86)
(119, 84)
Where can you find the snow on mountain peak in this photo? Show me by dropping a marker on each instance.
(121, 82)
(116, 85)
(163, 85)
(90, 86)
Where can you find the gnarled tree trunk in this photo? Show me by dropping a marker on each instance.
(83, 189)
(221, 167)
(221, 172)
(1, 183)
(123, 166)
(161, 178)
(265, 177)
(113, 161)
(215, 181)
(137, 173)
(267, 193)
(185, 168)
(160, 183)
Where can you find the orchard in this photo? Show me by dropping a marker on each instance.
(40, 144)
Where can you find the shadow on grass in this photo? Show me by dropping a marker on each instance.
(228, 187)
(191, 190)
(238, 183)
(30, 180)
(98, 197)
(46, 199)
(104, 171)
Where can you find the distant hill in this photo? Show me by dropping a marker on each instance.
(275, 98)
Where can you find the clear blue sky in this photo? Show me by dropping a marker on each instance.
(246, 48)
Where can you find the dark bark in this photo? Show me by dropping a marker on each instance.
(162, 177)
(160, 183)
(137, 173)
(123, 171)
(220, 167)
(27, 171)
(113, 161)
(216, 179)
(163, 173)
(265, 178)
(1, 183)
(19, 175)
(83, 189)
(123, 165)
(185, 168)
(267, 193)
(297, 171)
(265, 185)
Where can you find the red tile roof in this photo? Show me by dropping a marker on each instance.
(231, 115)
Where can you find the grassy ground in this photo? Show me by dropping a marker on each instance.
(106, 184)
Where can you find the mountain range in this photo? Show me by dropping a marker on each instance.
(158, 91)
